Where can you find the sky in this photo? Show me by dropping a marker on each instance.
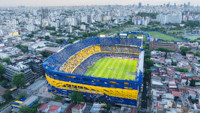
(5, 3)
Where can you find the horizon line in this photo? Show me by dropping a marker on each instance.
(95, 5)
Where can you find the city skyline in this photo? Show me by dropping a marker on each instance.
(13, 3)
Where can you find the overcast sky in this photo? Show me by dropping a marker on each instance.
(5, 3)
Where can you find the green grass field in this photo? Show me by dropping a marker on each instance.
(113, 68)
(115, 31)
(176, 31)
(132, 36)
(192, 37)
(135, 36)
(163, 36)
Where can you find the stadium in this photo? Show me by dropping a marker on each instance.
(100, 68)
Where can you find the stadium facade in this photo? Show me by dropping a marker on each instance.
(65, 70)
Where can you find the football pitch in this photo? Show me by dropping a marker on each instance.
(162, 36)
(113, 68)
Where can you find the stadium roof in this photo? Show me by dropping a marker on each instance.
(30, 100)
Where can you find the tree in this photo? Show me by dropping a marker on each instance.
(7, 60)
(175, 98)
(147, 74)
(45, 54)
(77, 97)
(162, 49)
(93, 34)
(25, 109)
(18, 79)
(22, 94)
(186, 82)
(174, 63)
(7, 95)
(53, 33)
(47, 38)
(181, 69)
(70, 41)
(184, 50)
(192, 24)
(50, 28)
(108, 104)
(148, 62)
(41, 37)
(166, 55)
(192, 83)
(4, 83)
(60, 41)
(85, 34)
(58, 98)
(190, 52)
(2, 70)
(30, 35)
(146, 46)
(147, 54)
(22, 47)
(197, 54)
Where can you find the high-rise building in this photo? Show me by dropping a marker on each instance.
(84, 19)
(185, 5)
(32, 69)
(188, 4)
(19, 68)
(169, 18)
(36, 66)
(140, 5)
(138, 20)
(45, 13)
(174, 4)
(168, 4)
(71, 21)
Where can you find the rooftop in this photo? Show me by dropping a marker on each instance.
(30, 100)
(43, 107)
(176, 93)
(78, 106)
(2, 90)
(53, 108)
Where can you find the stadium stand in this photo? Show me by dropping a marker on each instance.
(71, 63)
(120, 49)
(79, 57)
(75, 60)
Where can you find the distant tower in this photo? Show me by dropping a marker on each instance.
(168, 5)
(174, 4)
(188, 4)
(44, 14)
(140, 5)
(185, 5)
